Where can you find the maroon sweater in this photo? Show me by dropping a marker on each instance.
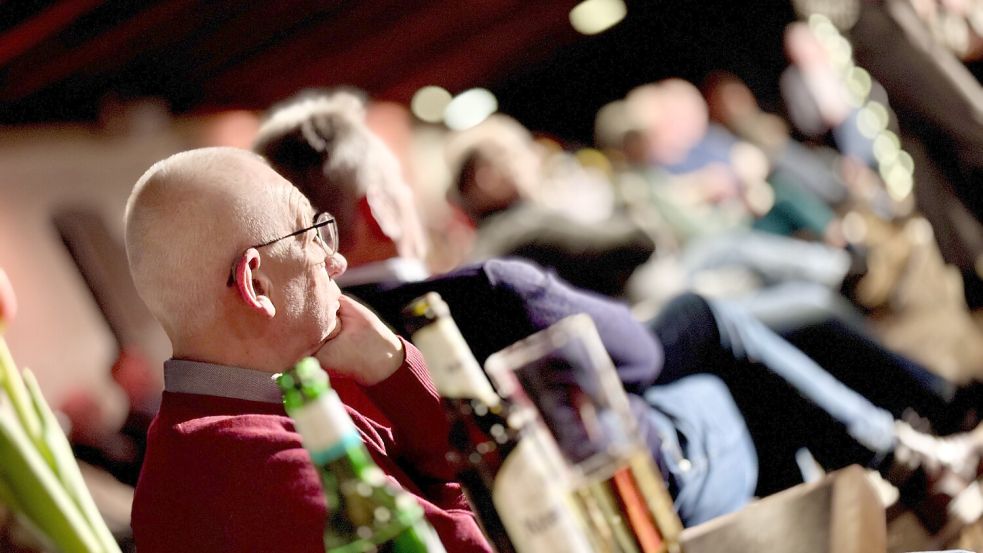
(231, 475)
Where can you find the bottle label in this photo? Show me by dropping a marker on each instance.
(532, 502)
(452, 365)
(324, 424)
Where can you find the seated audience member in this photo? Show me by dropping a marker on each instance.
(232, 261)
(499, 173)
(732, 104)
(323, 145)
(939, 108)
(494, 165)
(728, 172)
(817, 99)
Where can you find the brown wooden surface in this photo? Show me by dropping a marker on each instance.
(839, 514)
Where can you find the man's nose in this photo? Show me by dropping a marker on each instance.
(336, 265)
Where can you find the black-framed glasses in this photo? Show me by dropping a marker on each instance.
(327, 232)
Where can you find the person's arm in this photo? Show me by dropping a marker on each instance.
(600, 257)
(546, 299)
(420, 428)
(501, 301)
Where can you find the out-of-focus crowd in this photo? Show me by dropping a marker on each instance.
(863, 199)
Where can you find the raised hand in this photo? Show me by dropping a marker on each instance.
(364, 349)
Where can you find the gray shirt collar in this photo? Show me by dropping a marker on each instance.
(196, 377)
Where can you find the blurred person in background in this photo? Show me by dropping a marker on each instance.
(497, 171)
(789, 401)
(937, 103)
(731, 182)
(224, 469)
(817, 99)
(703, 214)
(732, 104)
(321, 143)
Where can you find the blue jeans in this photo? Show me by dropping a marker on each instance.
(787, 400)
(773, 259)
(705, 447)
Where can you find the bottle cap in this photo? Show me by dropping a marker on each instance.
(424, 310)
(305, 382)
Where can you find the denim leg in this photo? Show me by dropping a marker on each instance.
(787, 401)
(773, 258)
(791, 305)
(886, 378)
(871, 426)
(705, 446)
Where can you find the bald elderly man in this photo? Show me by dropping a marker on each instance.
(230, 258)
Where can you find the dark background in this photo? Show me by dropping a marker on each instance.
(69, 60)
(657, 40)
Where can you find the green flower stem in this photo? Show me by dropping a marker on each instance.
(38, 492)
(65, 465)
(12, 382)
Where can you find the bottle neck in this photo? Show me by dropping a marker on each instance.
(452, 366)
(327, 430)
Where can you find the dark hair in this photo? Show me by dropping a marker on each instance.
(317, 140)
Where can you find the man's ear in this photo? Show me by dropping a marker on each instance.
(252, 285)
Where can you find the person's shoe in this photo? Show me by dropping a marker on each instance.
(958, 453)
(930, 471)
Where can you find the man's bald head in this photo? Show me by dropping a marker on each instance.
(186, 220)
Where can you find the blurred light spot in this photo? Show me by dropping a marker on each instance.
(760, 197)
(842, 13)
(594, 16)
(867, 124)
(979, 266)
(893, 138)
(919, 230)
(858, 84)
(905, 161)
(590, 157)
(860, 81)
(880, 114)
(840, 51)
(854, 228)
(899, 182)
(469, 108)
(822, 26)
(429, 103)
(885, 150)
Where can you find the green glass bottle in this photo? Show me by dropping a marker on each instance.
(365, 513)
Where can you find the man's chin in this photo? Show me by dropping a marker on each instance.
(334, 331)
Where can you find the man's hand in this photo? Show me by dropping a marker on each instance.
(365, 349)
